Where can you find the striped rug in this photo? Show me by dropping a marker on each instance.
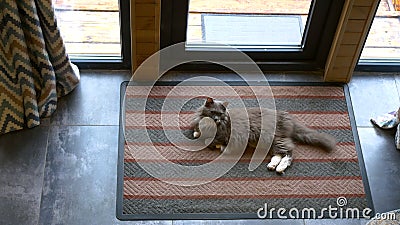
(315, 180)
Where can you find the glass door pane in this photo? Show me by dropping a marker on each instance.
(383, 42)
(277, 35)
(90, 28)
(248, 24)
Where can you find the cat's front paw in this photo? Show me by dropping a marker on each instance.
(284, 164)
(281, 168)
(271, 166)
(275, 160)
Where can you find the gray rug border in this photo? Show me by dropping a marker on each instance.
(224, 216)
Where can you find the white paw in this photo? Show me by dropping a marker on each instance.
(271, 166)
(222, 148)
(196, 134)
(275, 160)
(285, 163)
(281, 167)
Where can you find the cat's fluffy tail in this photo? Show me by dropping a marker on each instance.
(309, 136)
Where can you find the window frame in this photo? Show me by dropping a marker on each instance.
(310, 57)
(110, 62)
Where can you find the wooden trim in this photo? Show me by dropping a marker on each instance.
(355, 26)
(351, 34)
(157, 23)
(363, 2)
(143, 23)
(145, 29)
(346, 50)
(133, 36)
(337, 39)
(145, 10)
(364, 35)
(359, 12)
(351, 38)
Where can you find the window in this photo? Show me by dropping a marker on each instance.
(255, 27)
(96, 33)
(383, 42)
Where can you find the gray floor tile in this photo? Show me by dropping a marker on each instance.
(239, 222)
(80, 176)
(150, 222)
(45, 121)
(397, 78)
(95, 101)
(295, 77)
(383, 168)
(372, 96)
(22, 162)
(334, 222)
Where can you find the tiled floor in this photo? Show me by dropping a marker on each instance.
(64, 172)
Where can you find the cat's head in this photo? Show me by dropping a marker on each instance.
(214, 109)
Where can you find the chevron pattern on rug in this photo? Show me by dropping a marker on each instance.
(159, 122)
(34, 66)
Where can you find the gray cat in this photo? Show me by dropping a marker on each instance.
(287, 130)
(212, 116)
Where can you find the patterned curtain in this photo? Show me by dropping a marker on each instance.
(34, 67)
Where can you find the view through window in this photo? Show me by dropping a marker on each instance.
(89, 28)
(383, 42)
(256, 23)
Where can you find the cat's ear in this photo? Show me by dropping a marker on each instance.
(209, 102)
(225, 104)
